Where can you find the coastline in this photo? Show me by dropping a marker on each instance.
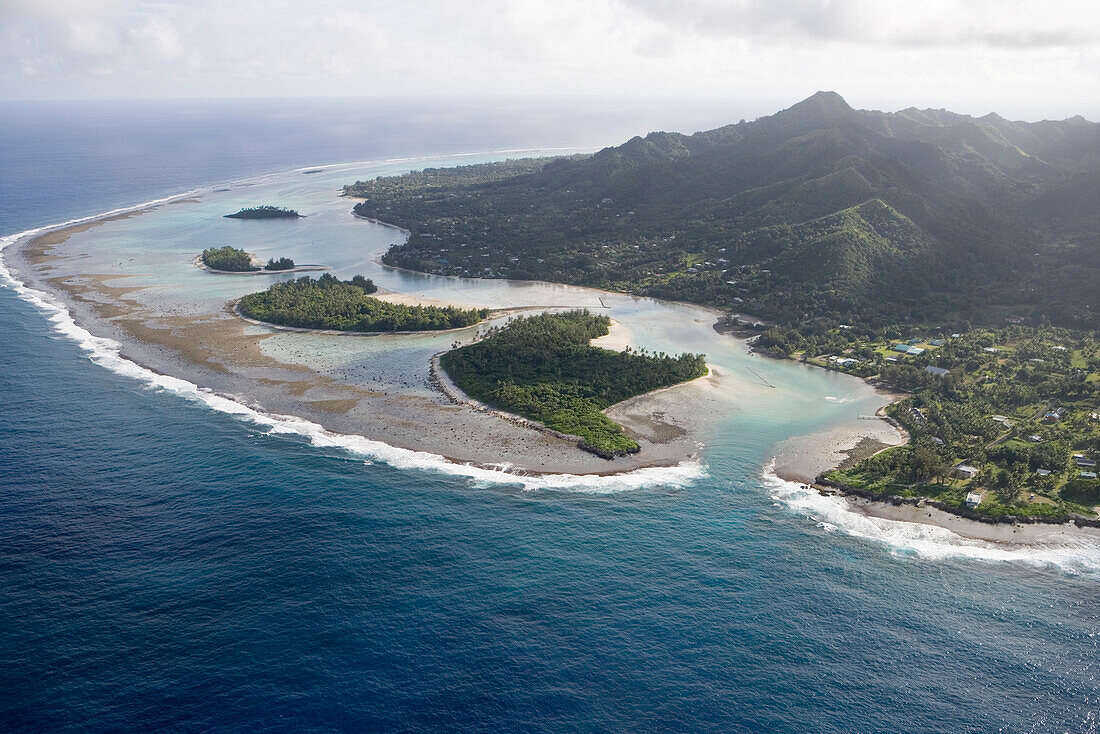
(227, 355)
(463, 439)
(842, 449)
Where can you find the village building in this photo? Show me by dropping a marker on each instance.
(966, 471)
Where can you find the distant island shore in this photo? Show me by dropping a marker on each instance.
(264, 212)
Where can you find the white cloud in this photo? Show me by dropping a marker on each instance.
(974, 55)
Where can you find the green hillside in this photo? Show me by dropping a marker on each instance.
(817, 212)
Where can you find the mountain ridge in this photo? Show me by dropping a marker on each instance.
(1002, 213)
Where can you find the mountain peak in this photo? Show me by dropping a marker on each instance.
(818, 106)
(826, 101)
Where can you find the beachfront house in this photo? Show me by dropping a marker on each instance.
(973, 499)
(966, 471)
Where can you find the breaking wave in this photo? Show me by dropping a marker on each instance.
(1079, 555)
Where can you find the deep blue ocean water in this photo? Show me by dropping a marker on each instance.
(164, 566)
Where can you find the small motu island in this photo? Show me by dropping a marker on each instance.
(330, 303)
(229, 259)
(264, 212)
(544, 368)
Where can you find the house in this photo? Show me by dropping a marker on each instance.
(918, 416)
(990, 350)
(938, 441)
(937, 371)
(1004, 420)
(916, 350)
(1054, 416)
(914, 340)
(1083, 463)
(1088, 475)
(1043, 472)
(1035, 439)
(966, 471)
(891, 359)
(937, 342)
(843, 326)
(973, 499)
(955, 335)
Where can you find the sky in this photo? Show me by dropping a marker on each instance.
(1023, 59)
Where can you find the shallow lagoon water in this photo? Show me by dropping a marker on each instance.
(168, 565)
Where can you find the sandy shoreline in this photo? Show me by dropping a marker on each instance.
(1019, 534)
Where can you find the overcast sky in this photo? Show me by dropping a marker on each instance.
(1026, 59)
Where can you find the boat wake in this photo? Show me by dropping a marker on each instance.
(1078, 555)
(107, 354)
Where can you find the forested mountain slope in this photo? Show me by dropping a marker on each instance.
(820, 211)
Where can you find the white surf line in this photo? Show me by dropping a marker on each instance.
(107, 354)
(1078, 556)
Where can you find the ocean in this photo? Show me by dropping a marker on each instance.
(169, 565)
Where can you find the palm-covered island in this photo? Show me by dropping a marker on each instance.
(330, 303)
(229, 259)
(853, 232)
(544, 368)
(265, 211)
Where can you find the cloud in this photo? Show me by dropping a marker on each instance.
(930, 23)
(934, 52)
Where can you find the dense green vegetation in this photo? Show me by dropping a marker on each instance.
(819, 212)
(264, 212)
(544, 368)
(1020, 405)
(331, 303)
(283, 263)
(228, 258)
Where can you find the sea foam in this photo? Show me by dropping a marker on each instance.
(834, 513)
(106, 353)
